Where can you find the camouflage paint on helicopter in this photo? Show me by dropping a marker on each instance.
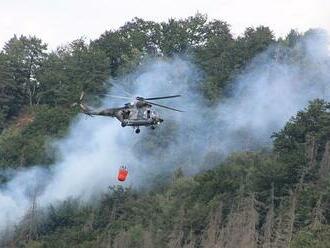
(136, 114)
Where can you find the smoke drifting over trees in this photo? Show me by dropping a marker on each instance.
(236, 94)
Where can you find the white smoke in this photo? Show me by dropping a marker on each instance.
(272, 89)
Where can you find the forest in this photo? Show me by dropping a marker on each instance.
(274, 195)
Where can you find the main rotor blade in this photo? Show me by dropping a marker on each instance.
(160, 97)
(163, 106)
(115, 96)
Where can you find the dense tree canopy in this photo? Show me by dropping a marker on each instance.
(267, 198)
(30, 75)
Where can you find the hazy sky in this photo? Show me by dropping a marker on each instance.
(61, 21)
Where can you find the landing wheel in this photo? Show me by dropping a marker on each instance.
(153, 127)
(137, 130)
(123, 124)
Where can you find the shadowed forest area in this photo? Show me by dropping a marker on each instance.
(267, 197)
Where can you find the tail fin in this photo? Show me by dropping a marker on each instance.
(84, 108)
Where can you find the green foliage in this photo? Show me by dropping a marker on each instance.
(256, 40)
(25, 56)
(27, 143)
(9, 91)
(69, 71)
(51, 121)
(36, 89)
(314, 120)
(317, 238)
(130, 218)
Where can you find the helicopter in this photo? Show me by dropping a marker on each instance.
(134, 114)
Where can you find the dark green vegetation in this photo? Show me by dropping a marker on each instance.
(271, 199)
(264, 199)
(35, 84)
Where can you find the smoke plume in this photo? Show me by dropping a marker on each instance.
(265, 95)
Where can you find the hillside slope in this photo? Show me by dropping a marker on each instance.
(276, 198)
(192, 189)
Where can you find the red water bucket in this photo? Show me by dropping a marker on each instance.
(122, 174)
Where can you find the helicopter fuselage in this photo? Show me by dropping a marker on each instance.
(135, 114)
(132, 114)
(139, 115)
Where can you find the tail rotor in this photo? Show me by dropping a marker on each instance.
(83, 108)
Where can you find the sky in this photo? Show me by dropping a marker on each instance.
(62, 21)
